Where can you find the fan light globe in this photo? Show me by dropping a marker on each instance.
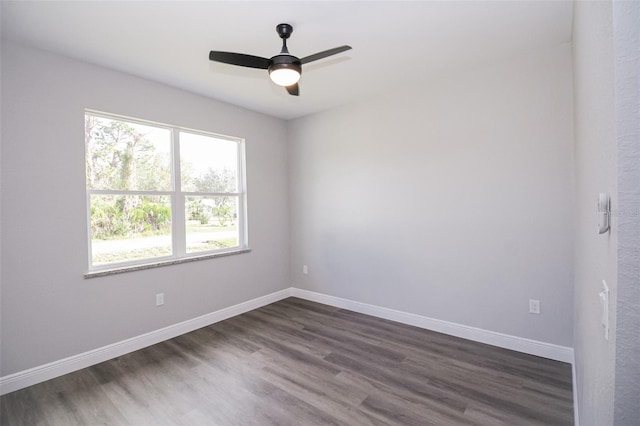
(284, 76)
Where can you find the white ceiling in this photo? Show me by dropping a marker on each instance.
(395, 44)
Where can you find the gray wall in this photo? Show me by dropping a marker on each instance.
(626, 35)
(452, 199)
(48, 310)
(595, 166)
(606, 41)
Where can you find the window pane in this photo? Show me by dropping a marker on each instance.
(208, 164)
(129, 227)
(211, 223)
(127, 156)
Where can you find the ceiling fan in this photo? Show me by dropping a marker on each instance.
(284, 68)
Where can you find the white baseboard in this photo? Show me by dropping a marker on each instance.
(519, 344)
(58, 368)
(29, 377)
(576, 411)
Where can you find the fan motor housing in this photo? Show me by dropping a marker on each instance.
(285, 61)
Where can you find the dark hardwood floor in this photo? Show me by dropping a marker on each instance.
(301, 363)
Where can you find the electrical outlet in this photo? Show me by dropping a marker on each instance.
(534, 306)
(305, 269)
(159, 299)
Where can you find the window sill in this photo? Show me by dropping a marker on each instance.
(124, 269)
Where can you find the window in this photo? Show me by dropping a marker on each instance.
(160, 193)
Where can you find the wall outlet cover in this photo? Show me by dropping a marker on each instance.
(534, 306)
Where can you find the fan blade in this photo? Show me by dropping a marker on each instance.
(321, 55)
(293, 90)
(240, 59)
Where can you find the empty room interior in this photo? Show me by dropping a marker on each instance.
(301, 213)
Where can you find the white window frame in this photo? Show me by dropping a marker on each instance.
(178, 223)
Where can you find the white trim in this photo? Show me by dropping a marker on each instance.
(576, 412)
(515, 343)
(159, 263)
(58, 368)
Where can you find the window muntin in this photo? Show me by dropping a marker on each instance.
(156, 192)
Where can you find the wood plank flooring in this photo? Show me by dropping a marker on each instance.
(301, 363)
